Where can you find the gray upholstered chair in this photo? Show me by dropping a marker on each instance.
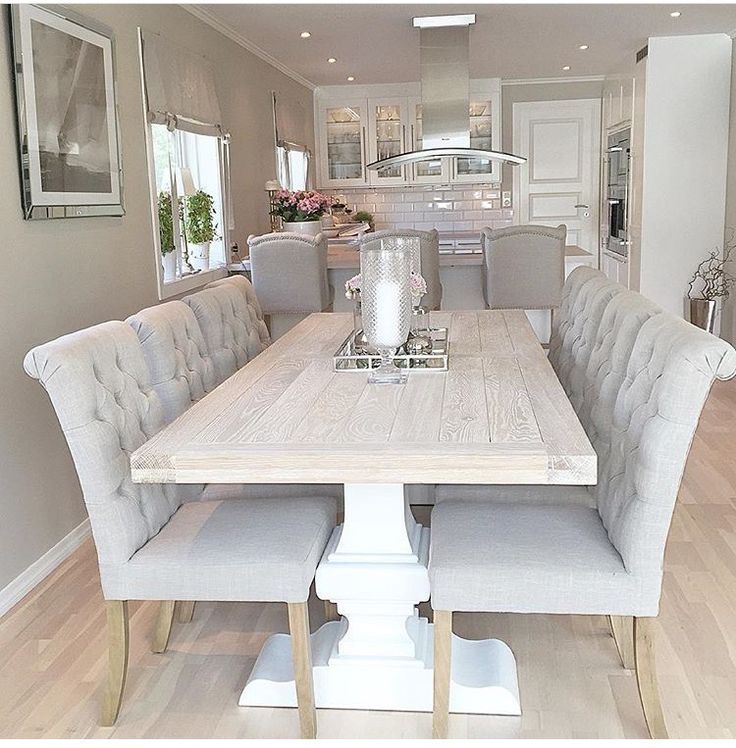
(646, 382)
(176, 354)
(429, 249)
(246, 289)
(150, 544)
(523, 267)
(289, 273)
(232, 327)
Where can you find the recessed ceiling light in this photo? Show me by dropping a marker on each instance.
(583, 46)
(351, 77)
(565, 67)
(675, 14)
(305, 35)
(331, 60)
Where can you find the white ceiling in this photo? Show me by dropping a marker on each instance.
(377, 44)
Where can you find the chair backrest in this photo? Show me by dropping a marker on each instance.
(523, 267)
(656, 411)
(99, 386)
(246, 288)
(175, 351)
(607, 364)
(232, 330)
(289, 272)
(586, 295)
(429, 259)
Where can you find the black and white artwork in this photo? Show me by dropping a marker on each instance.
(67, 115)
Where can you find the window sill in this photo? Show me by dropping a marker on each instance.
(190, 282)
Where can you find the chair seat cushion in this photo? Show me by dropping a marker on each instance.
(516, 494)
(229, 491)
(522, 558)
(249, 550)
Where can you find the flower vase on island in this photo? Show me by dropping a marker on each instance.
(301, 211)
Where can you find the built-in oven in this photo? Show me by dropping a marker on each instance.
(618, 157)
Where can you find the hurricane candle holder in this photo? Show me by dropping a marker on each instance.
(386, 302)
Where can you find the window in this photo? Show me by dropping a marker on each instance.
(292, 166)
(195, 164)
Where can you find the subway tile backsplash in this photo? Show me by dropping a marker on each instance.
(456, 208)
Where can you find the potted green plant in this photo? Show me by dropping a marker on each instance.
(199, 228)
(711, 281)
(301, 211)
(166, 236)
(365, 217)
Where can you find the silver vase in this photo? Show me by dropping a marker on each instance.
(703, 313)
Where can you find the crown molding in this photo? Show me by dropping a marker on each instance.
(225, 30)
(568, 79)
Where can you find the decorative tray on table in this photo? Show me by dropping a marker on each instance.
(355, 355)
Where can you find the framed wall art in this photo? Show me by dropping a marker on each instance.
(67, 114)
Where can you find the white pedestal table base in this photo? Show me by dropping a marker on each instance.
(380, 654)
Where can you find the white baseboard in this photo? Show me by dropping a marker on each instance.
(39, 570)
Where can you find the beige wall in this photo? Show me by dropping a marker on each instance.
(510, 94)
(728, 321)
(58, 276)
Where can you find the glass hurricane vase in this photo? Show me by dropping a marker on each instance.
(386, 302)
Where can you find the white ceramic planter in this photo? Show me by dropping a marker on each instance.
(199, 256)
(311, 228)
(169, 265)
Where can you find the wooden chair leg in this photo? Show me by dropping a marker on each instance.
(301, 650)
(647, 678)
(162, 631)
(186, 610)
(622, 628)
(331, 613)
(442, 666)
(117, 648)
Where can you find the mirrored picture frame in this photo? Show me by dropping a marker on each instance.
(68, 129)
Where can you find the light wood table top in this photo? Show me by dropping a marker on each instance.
(499, 415)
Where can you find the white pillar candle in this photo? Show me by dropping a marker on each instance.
(388, 314)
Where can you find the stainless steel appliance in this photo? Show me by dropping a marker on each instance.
(618, 159)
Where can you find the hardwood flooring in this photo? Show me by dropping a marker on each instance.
(53, 655)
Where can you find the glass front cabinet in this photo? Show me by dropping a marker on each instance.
(342, 138)
(387, 136)
(352, 135)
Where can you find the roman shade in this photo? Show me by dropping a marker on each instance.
(289, 119)
(180, 88)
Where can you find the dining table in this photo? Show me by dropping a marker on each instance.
(497, 415)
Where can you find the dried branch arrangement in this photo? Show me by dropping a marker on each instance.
(712, 279)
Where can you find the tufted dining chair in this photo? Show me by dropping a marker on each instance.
(429, 259)
(648, 377)
(289, 273)
(249, 294)
(152, 545)
(232, 327)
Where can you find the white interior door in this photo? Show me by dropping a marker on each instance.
(560, 182)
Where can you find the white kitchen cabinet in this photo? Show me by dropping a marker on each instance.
(615, 268)
(356, 125)
(387, 136)
(342, 139)
(618, 101)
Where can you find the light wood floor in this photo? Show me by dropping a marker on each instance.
(52, 650)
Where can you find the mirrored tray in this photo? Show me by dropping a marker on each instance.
(350, 356)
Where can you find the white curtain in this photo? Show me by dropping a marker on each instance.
(180, 88)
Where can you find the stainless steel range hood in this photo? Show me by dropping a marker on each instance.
(445, 75)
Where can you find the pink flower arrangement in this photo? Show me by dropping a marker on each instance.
(305, 205)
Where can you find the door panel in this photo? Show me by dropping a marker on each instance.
(561, 140)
